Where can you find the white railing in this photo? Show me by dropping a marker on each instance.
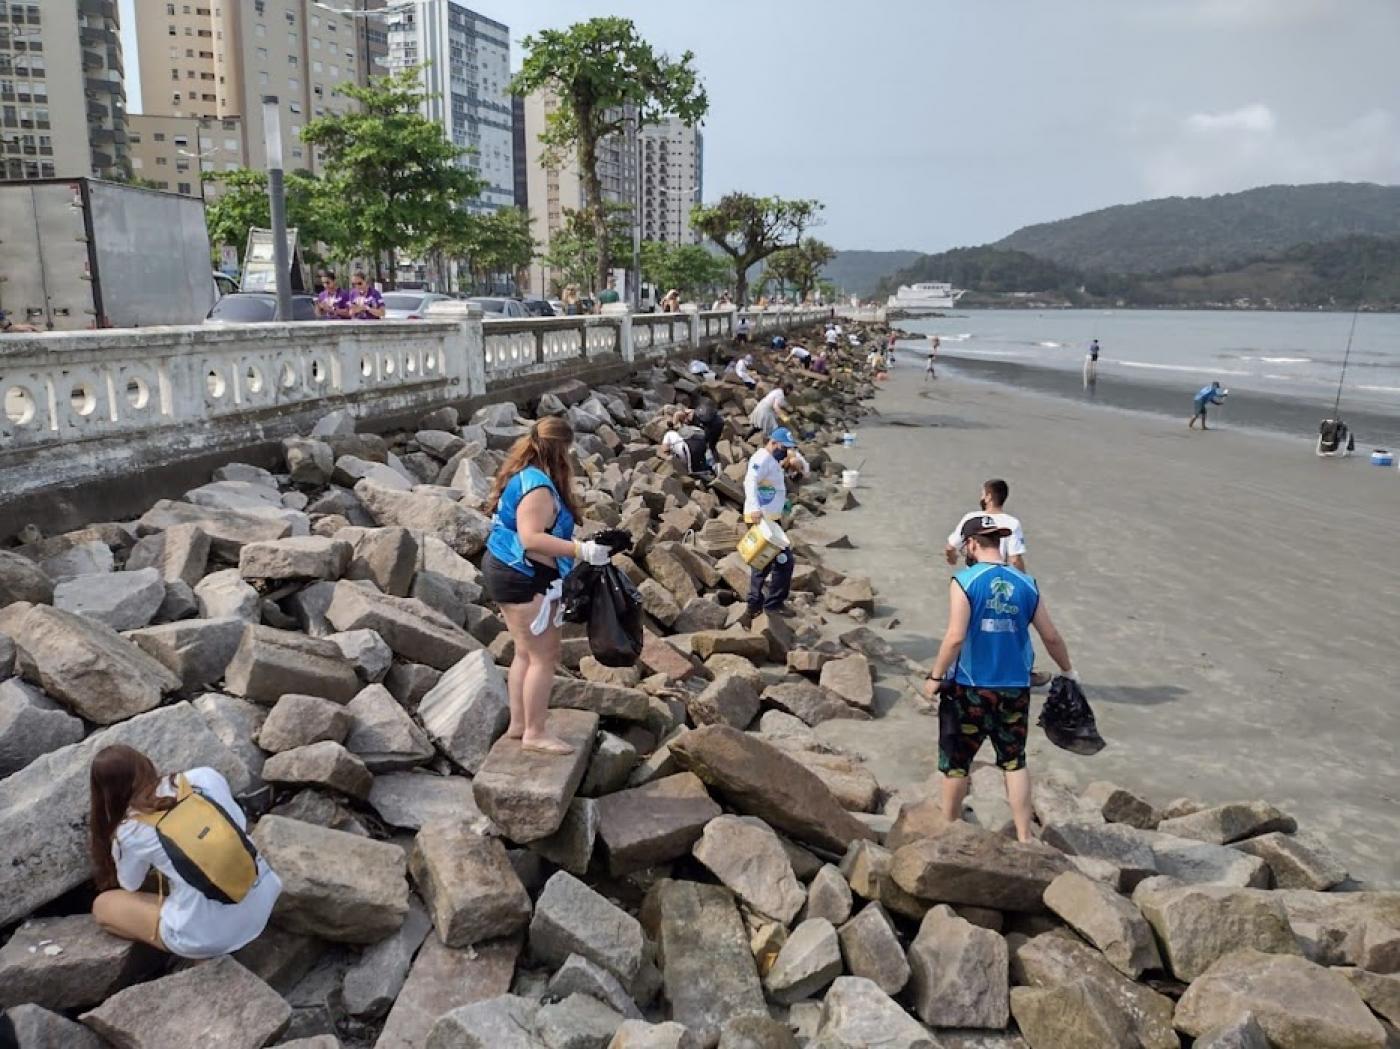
(520, 347)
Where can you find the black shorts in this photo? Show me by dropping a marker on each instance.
(742, 336)
(507, 586)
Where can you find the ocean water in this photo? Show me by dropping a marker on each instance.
(1282, 355)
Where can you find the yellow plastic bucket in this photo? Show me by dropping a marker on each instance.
(761, 543)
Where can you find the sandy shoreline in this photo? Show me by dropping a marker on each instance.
(1231, 601)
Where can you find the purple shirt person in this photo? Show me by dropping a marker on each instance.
(334, 301)
(366, 304)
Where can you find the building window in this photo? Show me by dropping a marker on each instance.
(295, 107)
(159, 136)
(182, 165)
(162, 162)
(263, 78)
(172, 31)
(260, 31)
(262, 54)
(184, 187)
(170, 10)
(292, 60)
(174, 74)
(231, 144)
(182, 141)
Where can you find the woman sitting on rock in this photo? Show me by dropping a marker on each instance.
(528, 553)
(214, 892)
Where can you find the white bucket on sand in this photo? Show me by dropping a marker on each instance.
(850, 478)
(848, 439)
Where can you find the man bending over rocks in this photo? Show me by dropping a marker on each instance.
(982, 674)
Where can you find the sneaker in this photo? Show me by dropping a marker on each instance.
(1040, 678)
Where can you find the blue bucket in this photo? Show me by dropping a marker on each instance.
(1380, 457)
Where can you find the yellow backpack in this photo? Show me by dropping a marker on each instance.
(207, 848)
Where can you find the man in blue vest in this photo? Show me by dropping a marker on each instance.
(983, 670)
(1205, 396)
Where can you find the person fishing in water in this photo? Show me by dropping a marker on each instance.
(1207, 395)
(1091, 364)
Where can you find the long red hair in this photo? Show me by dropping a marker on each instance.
(546, 446)
(122, 779)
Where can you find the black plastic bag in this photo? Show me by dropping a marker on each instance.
(603, 597)
(1068, 721)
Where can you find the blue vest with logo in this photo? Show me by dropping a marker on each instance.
(504, 540)
(997, 652)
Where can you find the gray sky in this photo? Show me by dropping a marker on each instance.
(929, 124)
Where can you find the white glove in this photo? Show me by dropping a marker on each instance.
(1073, 675)
(591, 553)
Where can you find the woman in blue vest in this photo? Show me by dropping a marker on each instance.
(530, 550)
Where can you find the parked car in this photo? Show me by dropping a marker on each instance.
(224, 284)
(557, 305)
(496, 307)
(409, 305)
(538, 307)
(257, 307)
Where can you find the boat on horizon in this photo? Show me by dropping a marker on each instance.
(925, 297)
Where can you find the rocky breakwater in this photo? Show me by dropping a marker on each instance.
(702, 871)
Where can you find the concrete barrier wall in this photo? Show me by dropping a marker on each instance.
(94, 425)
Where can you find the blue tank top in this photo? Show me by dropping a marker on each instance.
(504, 540)
(997, 652)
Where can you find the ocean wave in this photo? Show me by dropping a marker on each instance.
(1194, 368)
(1278, 360)
(1379, 389)
(1051, 345)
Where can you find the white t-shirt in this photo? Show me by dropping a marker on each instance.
(801, 353)
(191, 924)
(741, 369)
(765, 413)
(1013, 545)
(765, 489)
(831, 336)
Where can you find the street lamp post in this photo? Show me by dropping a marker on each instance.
(277, 200)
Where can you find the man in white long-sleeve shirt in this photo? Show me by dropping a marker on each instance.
(765, 494)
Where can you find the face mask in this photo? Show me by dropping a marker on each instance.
(780, 454)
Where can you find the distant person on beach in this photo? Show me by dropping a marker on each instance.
(889, 346)
(982, 675)
(933, 343)
(1091, 364)
(830, 337)
(741, 331)
(992, 502)
(765, 495)
(1205, 396)
(928, 369)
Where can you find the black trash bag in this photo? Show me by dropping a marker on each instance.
(1067, 720)
(603, 597)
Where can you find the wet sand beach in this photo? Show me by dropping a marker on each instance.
(1231, 601)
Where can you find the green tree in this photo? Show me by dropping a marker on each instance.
(687, 267)
(503, 243)
(313, 209)
(598, 70)
(397, 176)
(749, 229)
(573, 249)
(801, 265)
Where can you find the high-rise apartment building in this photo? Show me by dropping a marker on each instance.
(215, 60)
(465, 59)
(62, 97)
(672, 160)
(175, 152)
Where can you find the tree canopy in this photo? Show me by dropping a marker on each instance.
(749, 229)
(801, 265)
(313, 211)
(689, 268)
(602, 73)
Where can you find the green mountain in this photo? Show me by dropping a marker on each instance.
(1160, 236)
(858, 272)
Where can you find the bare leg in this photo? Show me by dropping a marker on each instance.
(129, 915)
(1018, 792)
(536, 678)
(954, 794)
(518, 619)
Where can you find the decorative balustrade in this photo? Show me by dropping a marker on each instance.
(519, 347)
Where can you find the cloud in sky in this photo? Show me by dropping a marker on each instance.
(1252, 145)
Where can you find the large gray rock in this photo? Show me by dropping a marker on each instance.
(577, 1022)
(335, 885)
(349, 469)
(325, 764)
(120, 600)
(44, 806)
(1241, 1033)
(708, 970)
(412, 800)
(270, 663)
(236, 723)
(580, 976)
(1118, 805)
(638, 1034)
(37, 1028)
(1070, 1015)
(228, 530)
(366, 651)
(1127, 848)
(747, 857)
(958, 973)
(526, 793)
(607, 701)
(467, 710)
(68, 963)
(462, 528)
(388, 557)
(612, 762)
(570, 918)
(299, 557)
(811, 703)
(1198, 924)
(373, 982)
(760, 780)
(851, 679)
(728, 700)
(223, 1002)
(180, 554)
(197, 651)
(22, 580)
(471, 890)
(1108, 921)
(809, 961)
(66, 561)
(87, 667)
(1298, 1005)
(829, 896)
(1201, 863)
(309, 462)
(871, 949)
(1056, 961)
(443, 979)
(413, 630)
(1231, 822)
(856, 1013)
(571, 846)
(966, 864)
(299, 721)
(654, 823)
(382, 735)
(31, 725)
(224, 595)
(1294, 864)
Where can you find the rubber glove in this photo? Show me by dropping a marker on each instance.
(593, 553)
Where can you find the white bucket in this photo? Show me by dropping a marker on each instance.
(850, 478)
(848, 439)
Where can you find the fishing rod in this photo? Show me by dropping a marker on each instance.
(1334, 436)
(1346, 356)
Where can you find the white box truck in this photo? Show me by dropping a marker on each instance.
(84, 253)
